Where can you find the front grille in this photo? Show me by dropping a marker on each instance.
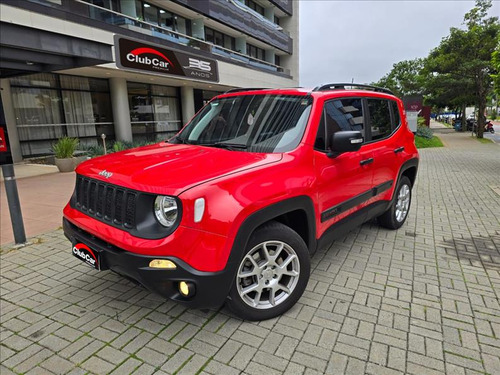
(106, 202)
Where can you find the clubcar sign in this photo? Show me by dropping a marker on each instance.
(131, 54)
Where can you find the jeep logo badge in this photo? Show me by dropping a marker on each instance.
(105, 174)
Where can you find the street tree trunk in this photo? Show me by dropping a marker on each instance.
(464, 120)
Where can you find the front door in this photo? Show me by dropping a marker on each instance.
(344, 182)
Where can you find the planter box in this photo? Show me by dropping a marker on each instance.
(65, 165)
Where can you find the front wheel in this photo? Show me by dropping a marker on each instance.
(272, 274)
(396, 215)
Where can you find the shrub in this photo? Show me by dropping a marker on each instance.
(424, 132)
(94, 151)
(493, 115)
(121, 146)
(421, 121)
(65, 147)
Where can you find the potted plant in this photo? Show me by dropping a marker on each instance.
(64, 149)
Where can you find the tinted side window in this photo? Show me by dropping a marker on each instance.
(339, 115)
(396, 118)
(380, 118)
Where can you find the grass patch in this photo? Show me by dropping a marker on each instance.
(483, 140)
(422, 142)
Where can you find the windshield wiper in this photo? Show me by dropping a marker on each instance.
(227, 146)
(178, 140)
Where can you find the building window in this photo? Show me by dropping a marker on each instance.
(220, 39)
(154, 111)
(277, 60)
(162, 17)
(256, 52)
(49, 106)
(150, 13)
(276, 20)
(254, 6)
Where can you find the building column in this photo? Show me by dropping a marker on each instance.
(187, 100)
(10, 121)
(121, 110)
(270, 56)
(269, 13)
(241, 45)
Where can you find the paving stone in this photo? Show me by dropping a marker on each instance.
(97, 366)
(419, 300)
(127, 367)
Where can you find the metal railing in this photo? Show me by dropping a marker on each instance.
(119, 19)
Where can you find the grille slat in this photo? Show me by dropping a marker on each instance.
(106, 202)
(92, 197)
(118, 216)
(130, 211)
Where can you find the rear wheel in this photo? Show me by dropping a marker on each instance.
(396, 215)
(272, 275)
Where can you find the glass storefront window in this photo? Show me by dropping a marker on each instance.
(49, 106)
(47, 80)
(154, 111)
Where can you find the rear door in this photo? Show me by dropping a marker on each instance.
(383, 120)
(343, 182)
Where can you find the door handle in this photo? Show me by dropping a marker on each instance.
(366, 161)
(399, 149)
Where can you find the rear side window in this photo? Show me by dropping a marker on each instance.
(380, 118)
(339, 115)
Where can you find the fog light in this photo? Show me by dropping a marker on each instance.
(186, 288)
(162, 263)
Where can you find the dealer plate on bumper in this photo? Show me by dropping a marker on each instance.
(86, 254)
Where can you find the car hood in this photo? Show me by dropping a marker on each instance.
(170, 169)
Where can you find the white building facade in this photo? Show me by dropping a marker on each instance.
(133, 70)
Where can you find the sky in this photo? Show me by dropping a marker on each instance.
(362, 39)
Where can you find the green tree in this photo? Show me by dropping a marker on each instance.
(404, 79)
(465, 58)
(495, 61)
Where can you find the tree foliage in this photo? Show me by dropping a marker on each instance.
(404, 79)
(495, 61)
(458, 72)
(463, 61)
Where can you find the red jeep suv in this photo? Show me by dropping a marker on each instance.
(232, 207)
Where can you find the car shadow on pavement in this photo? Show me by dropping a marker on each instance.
(480, 251)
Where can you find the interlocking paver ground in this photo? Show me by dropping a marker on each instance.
(420, 300)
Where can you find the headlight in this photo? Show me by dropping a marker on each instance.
(166, 210)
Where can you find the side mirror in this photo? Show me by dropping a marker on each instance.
(345, 141)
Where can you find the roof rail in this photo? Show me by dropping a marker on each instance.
(343, 86)
(245, 89)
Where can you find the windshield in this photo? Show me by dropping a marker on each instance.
(254, 123)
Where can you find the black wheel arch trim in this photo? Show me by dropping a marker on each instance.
(413, 162)
(266, 214)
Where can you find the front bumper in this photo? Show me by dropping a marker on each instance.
(211, 288)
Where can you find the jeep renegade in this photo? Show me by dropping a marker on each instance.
(232, 207)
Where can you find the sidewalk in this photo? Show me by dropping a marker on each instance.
(43, 193)
(420, 300)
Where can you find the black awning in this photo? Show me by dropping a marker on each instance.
(25, 50)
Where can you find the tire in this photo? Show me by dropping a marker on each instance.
(272, 274)
(396, 215)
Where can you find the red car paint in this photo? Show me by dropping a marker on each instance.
(236, 184)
